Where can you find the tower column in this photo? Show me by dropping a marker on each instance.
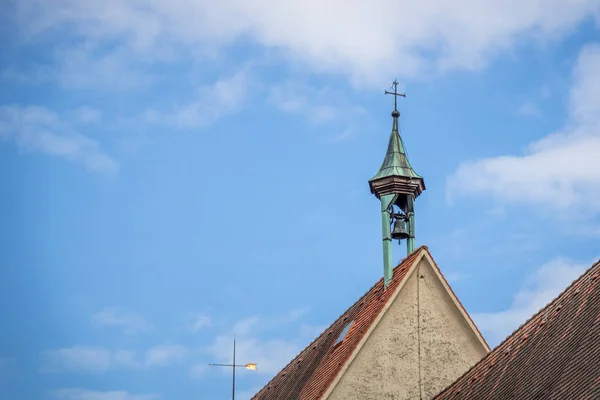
(396, 185)
(386, 203)
(410, 242)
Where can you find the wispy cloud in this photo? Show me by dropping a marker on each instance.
(165, 354)
(84, 394)
(39, 129)
(213, 101)
(311, 331)
(92, 66)
(538, 290)
(319, 105)
(244, 326)
(86, 66)
(556, 172)
(270, 354)
(365, 43)
(126, 358)
(90, 359)
(198, 371)
(529, 109)
(545, 92)
(131, 323)
(77, 359)
(199, 322)
(88, 115)
(346, 134)
(455, 276)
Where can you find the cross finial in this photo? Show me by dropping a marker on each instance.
(396, 94)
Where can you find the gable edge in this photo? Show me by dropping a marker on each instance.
(367, 334)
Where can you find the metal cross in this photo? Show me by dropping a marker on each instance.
(396, 94)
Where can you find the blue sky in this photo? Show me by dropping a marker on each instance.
(177, 171)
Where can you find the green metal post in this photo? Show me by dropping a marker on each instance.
(386, 201)
(233, 383)
(410, 242)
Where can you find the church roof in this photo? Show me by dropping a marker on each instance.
(554, 355)
(311, 373)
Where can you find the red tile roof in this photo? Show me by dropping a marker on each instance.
(554, 355)
(309, 375)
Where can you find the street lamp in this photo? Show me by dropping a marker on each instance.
(233, 367)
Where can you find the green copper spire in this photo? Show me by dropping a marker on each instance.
(396, 185)
(395, 162)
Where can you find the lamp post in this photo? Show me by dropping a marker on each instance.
(233, 367)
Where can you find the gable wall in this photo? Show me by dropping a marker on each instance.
(386, 367)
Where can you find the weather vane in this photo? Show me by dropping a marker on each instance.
(396, 94)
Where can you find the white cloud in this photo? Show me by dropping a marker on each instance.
(224, 97)
(32, 75)
(538, 290)
(296, 314)
(126, 358)
(84, 394)
(197, 371)
(346, 134)
(545, 92)
(214, 101)
(251, 346)
(558, 172)
(89, 359)
(271, 355)
(455, 276)
(245, 326)
(39, 129)
(368, 41)
(88, 115)
(311, 331)
(131, 323)
(200, 321)
(77, 359)
(320, 105)
(86, 66)
(165, 354)
(529, 109)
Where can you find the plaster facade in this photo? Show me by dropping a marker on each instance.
(387, 365)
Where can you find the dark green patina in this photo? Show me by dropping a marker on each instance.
(396, 162)
(396, 184)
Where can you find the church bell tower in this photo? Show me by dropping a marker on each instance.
(397, 186)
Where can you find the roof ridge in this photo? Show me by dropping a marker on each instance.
(405, 259)
(535, 315)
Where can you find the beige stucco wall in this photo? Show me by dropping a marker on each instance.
(386, 367)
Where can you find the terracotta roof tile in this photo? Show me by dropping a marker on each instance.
(309, 375)
(554, 355)
(321, 360)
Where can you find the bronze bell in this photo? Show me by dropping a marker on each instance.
(399, 232)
